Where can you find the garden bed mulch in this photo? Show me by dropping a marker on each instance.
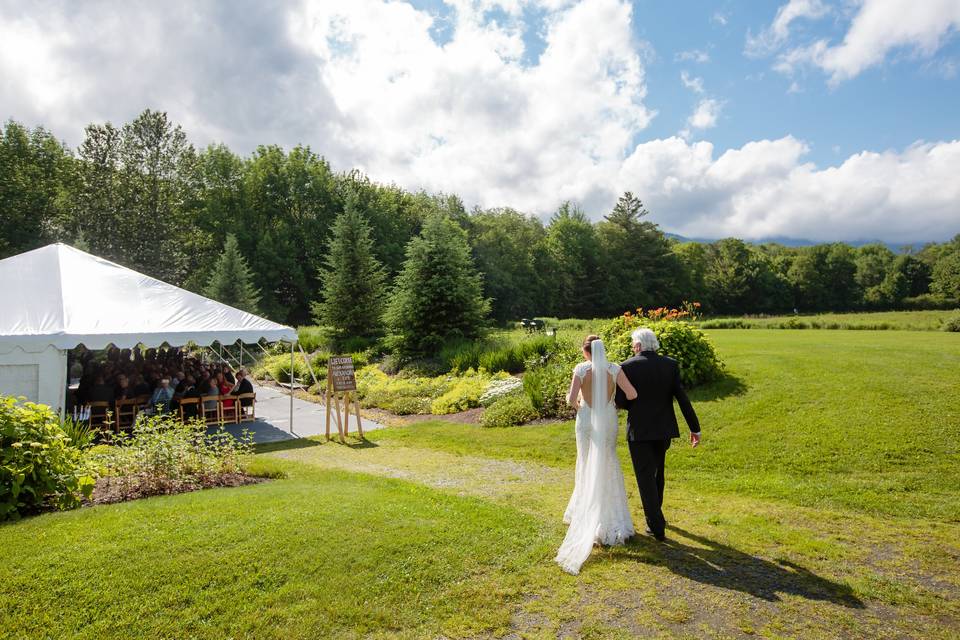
(109, 490)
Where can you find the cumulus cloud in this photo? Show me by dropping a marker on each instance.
(369, 84)
(774, 36)
(765, 189)
(877, 28)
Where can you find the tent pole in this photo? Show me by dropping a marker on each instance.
(292, 382)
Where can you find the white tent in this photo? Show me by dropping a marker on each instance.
(55, 298)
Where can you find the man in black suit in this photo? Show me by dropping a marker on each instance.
(243, 386)
(651, 422)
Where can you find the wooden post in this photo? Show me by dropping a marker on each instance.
(346, 413)
(336, 404)
(326, 404)
(356, 406)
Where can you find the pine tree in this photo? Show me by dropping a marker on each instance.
(439, 293)
(232, 282)
(353, 281)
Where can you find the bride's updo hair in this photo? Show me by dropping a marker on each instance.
(587, 343)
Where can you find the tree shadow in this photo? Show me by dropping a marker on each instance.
(723, 566)
(725, 386)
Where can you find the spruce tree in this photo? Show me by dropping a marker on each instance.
(353, 282)
(439, 294)
(232, 282)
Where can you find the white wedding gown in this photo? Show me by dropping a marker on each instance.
(598, 510)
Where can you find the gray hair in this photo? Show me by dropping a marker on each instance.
(646, 338)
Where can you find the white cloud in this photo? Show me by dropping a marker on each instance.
(694, 84)
(705, 115)
(765, 189)
(364, 83)
(693, 55)
(877, 28)
(720, 18)
(774, 36)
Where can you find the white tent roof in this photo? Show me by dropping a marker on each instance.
(61, 296)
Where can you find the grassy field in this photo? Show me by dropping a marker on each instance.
(873, 321)
(823, 503)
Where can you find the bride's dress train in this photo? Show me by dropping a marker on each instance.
(598, 510)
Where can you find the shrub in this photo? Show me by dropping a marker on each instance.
(499, 388)
(80, 433)
(314, 337)
(38, 467)
(162, 453)
(546, 383)
(510, 410)
(464, 394)
(679, 340)
(952, 323)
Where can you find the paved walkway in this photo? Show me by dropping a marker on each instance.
(309, 418)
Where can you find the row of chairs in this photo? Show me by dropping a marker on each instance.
(212, 409)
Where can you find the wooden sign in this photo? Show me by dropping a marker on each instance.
(340, 370)
(341, 379)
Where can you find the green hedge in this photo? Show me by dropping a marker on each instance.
(38, 466)
(509, 411)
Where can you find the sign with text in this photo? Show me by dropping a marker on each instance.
(340, 371)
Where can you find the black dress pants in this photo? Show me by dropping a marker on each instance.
(648, 457)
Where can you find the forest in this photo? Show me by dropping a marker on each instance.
(142, 195)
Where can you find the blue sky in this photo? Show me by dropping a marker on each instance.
(814, 119)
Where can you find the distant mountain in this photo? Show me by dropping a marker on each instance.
(800, 242)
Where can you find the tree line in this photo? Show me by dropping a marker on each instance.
(142, 195)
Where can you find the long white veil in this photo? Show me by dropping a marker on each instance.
(599, 392)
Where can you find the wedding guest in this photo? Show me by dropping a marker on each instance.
(160, 400)
(243, 386)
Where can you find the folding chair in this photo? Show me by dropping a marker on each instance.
(242, 410)
(126, 410)
(189, 408)
(98, 413)
(211, 415)
(230, 408)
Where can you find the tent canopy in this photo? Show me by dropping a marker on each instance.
(61, 296)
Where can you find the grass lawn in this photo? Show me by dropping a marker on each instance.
(824, 503)
(875, 320)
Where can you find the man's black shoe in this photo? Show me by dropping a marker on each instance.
(659, 537)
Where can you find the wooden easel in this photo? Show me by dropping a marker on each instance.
(341, 379)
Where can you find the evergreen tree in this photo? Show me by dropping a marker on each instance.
(352, 279)
(439, 293)
(232, 282)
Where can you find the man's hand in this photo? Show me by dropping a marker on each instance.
(694, 438)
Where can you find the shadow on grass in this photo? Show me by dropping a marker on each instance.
(728, 385)
(723, 566)
(286, 445)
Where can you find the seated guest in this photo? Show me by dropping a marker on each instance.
(123, 390)
(140, 386)
(212, 390)
(229, 375)
(243, 386)
(224, 389)
(100, 392)
(160, 400)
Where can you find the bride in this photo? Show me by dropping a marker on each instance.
(598, 511)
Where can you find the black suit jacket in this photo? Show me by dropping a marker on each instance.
(657, 381)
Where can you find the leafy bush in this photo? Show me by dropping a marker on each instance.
(546, 382)
(406, 393)
(929, 301)
(464, 394)
(499, 388)
(953, 323)
(509, 411)
(679, 340)
(162, 453)
(38, 467)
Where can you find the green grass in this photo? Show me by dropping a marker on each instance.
(871, 321)
(823, 503)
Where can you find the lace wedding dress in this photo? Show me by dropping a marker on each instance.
(598, 510)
